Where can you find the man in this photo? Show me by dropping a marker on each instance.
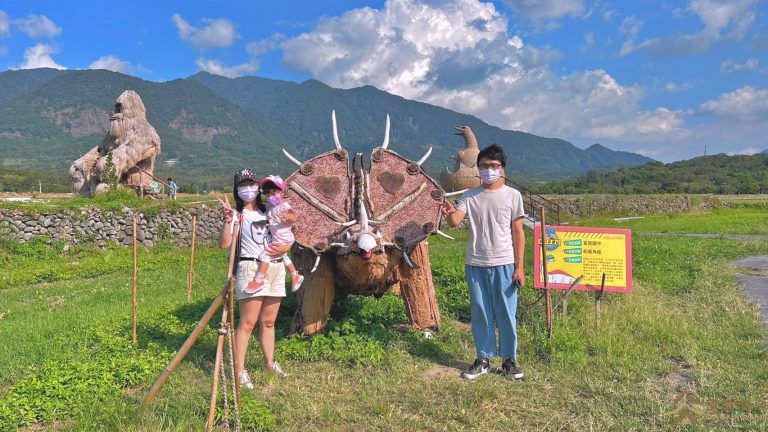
(173, 188)
(494, 262)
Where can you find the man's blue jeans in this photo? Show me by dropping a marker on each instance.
(493, 298)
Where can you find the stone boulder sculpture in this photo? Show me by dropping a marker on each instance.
(134, 144)
(362, 231)
(465, 174)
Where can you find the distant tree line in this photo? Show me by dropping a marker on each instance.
(718, 174)
(15, 180)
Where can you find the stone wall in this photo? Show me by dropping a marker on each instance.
(632, 205)
(91, 225)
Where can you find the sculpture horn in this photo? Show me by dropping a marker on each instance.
(317, 261)
(450, 194)
(407, 259)
(385, 144)
(292, 159)
(335, 131)
(363, 216)
(423, 158)
(440, 233)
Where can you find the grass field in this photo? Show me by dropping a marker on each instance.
(685, 346)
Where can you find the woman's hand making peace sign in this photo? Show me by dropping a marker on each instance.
(226, 209)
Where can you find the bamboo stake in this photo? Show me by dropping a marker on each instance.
(191, 274)
(134, 338)
(598, 299)
(216, 371)
(185, 347)
(547, 296)
(231, 307)
(217, 301)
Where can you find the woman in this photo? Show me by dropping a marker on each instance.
(263, 305)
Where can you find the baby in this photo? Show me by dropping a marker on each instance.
(281, 219)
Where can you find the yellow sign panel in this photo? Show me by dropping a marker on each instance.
(590, 253)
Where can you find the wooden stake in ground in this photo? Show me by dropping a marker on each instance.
(598, 299)
(191, 274)
(134, 339)
(217, 370)
(217, 301)
(547, 296)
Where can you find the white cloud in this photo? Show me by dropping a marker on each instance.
(460, 56)
(673, 87)
(749, 151)
(217, 33)
(37, 26)
(266, 45)
(5, 26)
(39, 56)
(218, 68)
(751, 65)
(745, 103)
(722, 20)
(540, 10)
(110, 62)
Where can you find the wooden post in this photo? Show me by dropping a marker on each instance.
(134, 338)
(216, 371)
(191, 274)
(547, 295)
(217, 301)
(418, 290)
(186, 346)
(565, 307)
(598, 299)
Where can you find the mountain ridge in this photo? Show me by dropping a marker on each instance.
(211, 125)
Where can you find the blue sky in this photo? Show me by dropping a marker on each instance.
(660, 78)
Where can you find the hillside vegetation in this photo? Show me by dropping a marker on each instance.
(210, 126)
(718, 174)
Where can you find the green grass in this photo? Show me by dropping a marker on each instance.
(686, 325)
(115, 200)
(719, 221)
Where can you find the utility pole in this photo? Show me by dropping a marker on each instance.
(705, 149)
(40, 186)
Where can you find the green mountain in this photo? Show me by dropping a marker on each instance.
(304, 111)
(204, 136)
(719, 174)
(210, 126)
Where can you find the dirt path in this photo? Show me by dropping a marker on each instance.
(755, 282)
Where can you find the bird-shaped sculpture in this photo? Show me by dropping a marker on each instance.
(465, 174)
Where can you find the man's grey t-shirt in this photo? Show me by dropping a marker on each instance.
(490, 213)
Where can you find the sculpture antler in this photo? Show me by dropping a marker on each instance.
(335, 130)
(385, 144)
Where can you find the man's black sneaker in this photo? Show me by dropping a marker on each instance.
(509, 369)
(479, 367)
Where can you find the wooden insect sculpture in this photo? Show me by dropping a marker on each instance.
(362, 230)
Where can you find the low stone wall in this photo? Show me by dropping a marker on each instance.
(91, 225)
(632, 205)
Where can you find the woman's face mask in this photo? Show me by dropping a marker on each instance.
(248, 193)
(490, 175)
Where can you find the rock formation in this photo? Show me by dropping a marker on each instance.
(134, 144)
(465, 174)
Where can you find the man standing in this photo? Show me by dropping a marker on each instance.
(173, 188)
(494, 262)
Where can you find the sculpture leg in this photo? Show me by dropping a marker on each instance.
(315, 296)
(418, 291)
(84, 179)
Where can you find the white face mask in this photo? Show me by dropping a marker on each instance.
(489, 175)
(248, 193)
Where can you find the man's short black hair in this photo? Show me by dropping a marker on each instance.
(493, 152)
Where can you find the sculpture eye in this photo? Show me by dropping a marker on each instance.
(118, 108)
